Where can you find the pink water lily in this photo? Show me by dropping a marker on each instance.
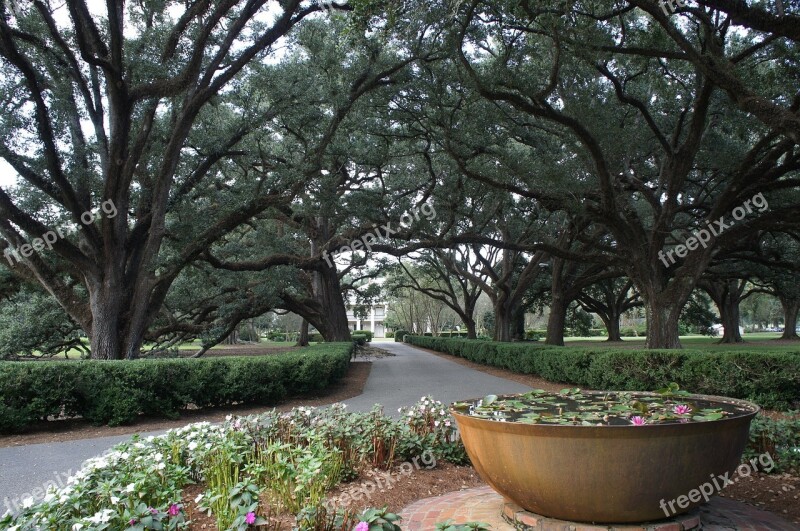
(682, 409)
(250, 518)
(638, 421)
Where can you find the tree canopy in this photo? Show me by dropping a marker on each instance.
(182, 167)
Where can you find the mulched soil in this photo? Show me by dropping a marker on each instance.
(373, 488)
(777, 493)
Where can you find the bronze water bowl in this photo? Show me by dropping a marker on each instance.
(606, 474)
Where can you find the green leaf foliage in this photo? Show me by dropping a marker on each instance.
(117, 392)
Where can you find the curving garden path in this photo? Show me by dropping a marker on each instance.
(394, 382)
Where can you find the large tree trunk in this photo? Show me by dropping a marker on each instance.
(727, 295)
(472, 329)
(104, 336)
(503, 320)
(611, 322)
(334, 311)
(302, 341)
(662, 323)
(790, 311)
(518, 326)
(557, 319)
(664, 297)
(729, 313)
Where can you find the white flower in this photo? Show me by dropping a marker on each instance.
(114, 500)
(77, 527)
(198, 498)
(13, 527)
(130, 488)
(161, 466)
(192, 445)
(436, 423)
(27, 502)
(101, 517)
(158, 457)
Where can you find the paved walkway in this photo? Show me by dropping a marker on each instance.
(394, 381)
(482, 504)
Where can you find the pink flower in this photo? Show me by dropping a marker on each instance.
(362, 526)
(174, 510)
(682, 409)
(152, 511)
(638, 421)
(132, 521)
(250, 518)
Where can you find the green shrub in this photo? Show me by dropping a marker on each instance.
(361, 337)
(316, 337)
(389, 335)
(117, 392)
(778, 438)
(769, 378)
(399, 335)
(453, 333)
(533, 335)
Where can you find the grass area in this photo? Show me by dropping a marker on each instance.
(190, 346)
(697, 341)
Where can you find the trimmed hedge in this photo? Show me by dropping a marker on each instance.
(117, 392)
(399, 335)
(769, 378)
(454, 333)
(365, 334)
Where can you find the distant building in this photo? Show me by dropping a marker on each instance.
(374, 321)
(719, 330)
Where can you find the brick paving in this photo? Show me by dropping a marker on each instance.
(482, 504)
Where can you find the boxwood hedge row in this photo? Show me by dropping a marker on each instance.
(769, 378)
(117, 392)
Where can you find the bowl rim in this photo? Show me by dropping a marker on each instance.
(755, 409)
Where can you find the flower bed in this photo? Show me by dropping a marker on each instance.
(253, 470)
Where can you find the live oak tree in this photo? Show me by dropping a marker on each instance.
(781, 277)
(664, 151)
(437, 273)
(609, 299)
(131, 107)
(345, 81)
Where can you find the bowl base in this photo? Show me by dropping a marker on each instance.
(523, 520)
